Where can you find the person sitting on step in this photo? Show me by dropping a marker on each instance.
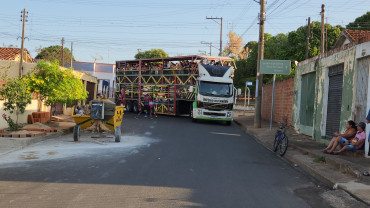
(356, 143)
(335, 141)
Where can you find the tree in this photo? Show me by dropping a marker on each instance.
(54, 53)
(16, 97)
(235, 47)
(246, 68)
(152, 53)
(56, 85)
(289, 46)
(360, 23)
(297, 40)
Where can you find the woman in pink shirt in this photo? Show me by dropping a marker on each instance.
(356, 143)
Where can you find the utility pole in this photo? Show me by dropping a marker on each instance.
(326, 34)
(63, 51)
(214, 19)
(258, 104)
(71, 54)
(308, 36)
(24, 15)
(322, 49)
(210, 46)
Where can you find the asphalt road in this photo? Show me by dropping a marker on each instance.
(164, 162)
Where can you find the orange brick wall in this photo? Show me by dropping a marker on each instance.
(283, 103)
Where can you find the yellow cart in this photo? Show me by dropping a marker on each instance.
(85, 121)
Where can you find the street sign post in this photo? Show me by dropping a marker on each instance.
(274, 67)
(245, 92)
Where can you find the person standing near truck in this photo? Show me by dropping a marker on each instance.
(151, 105)
(146, 107)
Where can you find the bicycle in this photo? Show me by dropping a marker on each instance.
(281, 140)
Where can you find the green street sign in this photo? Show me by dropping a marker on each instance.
(275, 66)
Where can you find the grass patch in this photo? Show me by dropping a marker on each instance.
(320, 159)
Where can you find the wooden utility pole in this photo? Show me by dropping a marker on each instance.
(63, 51)
(308, 36)
(322, 49)
(218, 18)
(71, 54)
(326, 34)
(24, 14)
(258, 104)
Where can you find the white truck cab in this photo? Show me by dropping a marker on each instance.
(214, 94)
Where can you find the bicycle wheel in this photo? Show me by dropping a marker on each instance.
(276, 142)
(283, 145)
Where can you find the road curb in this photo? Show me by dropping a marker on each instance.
(310, 170)
(343, 167)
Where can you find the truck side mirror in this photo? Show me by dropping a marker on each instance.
(191, 89)
(239, 91)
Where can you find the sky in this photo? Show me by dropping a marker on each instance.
(116, 29)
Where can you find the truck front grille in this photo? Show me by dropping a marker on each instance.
(214, 114)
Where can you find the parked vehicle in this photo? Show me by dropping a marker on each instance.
(201, 86)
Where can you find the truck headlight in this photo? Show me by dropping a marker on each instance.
(228, 114)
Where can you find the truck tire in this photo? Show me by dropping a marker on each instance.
(135, 107)
(128, 106)
(117, 134)
(76, 133)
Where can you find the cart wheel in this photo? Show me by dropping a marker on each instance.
(117, 134)
(76, 133)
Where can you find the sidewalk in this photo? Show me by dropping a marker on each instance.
(63, 124)
(338, 171)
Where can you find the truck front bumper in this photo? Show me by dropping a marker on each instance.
(201, 113)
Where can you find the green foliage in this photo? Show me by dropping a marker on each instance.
(16, 96)
(152, 53)
(360, 23)
(54, 53)
(56, 85)
(12, 126)
(320, 159)
(246, 68)
(291, 46)
(297, 41)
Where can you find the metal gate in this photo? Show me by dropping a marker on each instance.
(334, 100)
(307, 100)
(361, 89)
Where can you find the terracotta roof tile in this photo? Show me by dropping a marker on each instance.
(11, 53)
(356, 35)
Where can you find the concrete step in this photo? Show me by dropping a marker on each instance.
(329, 174)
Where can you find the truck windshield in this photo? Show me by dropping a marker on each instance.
(215, 89)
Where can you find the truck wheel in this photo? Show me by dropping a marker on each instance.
(228, 123)
(135, 107)
(129, 106)
(76, 133)
(117, 134)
